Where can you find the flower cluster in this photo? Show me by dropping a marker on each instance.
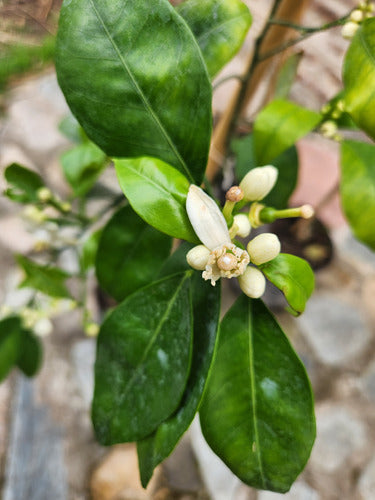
(364, 10)
(218, 256)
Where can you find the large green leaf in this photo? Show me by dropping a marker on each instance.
(357, 188)
(30, 353)
(157, 192)
(143, 361)
(82, 165)
(286, 163)
(134, 77)
(294, 277)
(257, 412)
(219, 26)
(130, 254)
(359, 77)
(278, 126)
(206, 308)
(49, 280)
(10, 336)
(23, 183)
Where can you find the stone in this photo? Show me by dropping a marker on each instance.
(334, 329)
(220, 482)
(340, 435)
(35, 466)
(299, 491)
(366, 483)
(367, 382)
(117, 476)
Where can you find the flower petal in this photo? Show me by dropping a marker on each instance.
(206, 218)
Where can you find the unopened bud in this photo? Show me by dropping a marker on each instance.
(197, 257)
(243, 225)
(349, 30)
(65, 206)
(252, 282)
(43, 327)
(258, 182)
(44, 194)
(92, 329)
(263, 248)
(33, 213)
(234, 194)
(356, 16)
(307, 211)
(328, 129)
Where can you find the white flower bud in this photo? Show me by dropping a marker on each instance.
(356, 16)
(328, 129)
(243, 225)
(43, 327)
(35, 215)
(349, 30)
(263, 248)
(44, 194)
(197, 257)
(252, 282)
(206, 218)
(258, 182)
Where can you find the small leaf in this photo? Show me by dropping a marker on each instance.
(24, 183)
(82, 165)
(278, 126)
(130, 254)
(47, 279)
(294, 277)
(157, 192)
(257, 411)
(206, 308)
(286, 164)
(10, 334)
(287, 76)
(143, 361)
(219, 28)
(357, 188)
(90, 249)
(358, 77)
(133, 75)
(30, 353)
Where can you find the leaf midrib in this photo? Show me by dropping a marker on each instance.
(142, 96)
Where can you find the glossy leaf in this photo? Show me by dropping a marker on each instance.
(82, 165)
(206, 308)
(219, 27)
(157, 192)
(287, 76)
(10, 335)
(130, 254)
(257, 411)
(129, 70)
(286, 163)
(359, 75)
(23, 183)
(357, 188)
(294, 277)
(30, 353)
(278, 126)
(47, 279)
(143, 361)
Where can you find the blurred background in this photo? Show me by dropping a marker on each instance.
(47, 447)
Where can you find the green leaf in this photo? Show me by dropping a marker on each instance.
(30, 353)
(257, 412)
(358, 77)
(286, 163)
(157, 192)
(278, 126)
(71, 129)
(143, 361)
(130, 254)
(287, 76)
(357, 188)
(294, 277)
(10, 335)
(219, 28)
(133, 75)
(23, 183)
(206, 309)
(47, 279)
(82, 165)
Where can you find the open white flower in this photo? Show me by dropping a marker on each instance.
(218, 257)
